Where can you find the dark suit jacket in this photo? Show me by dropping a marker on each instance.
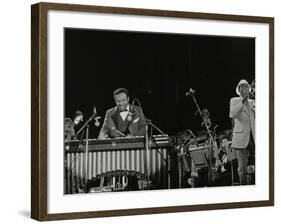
(136, 126)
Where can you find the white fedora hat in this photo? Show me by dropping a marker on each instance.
(242, 81)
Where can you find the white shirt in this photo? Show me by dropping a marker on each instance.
(124, 114)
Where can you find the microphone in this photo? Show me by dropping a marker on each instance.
(96, 118)
(94, 111)
(97, 122)
(190, 92)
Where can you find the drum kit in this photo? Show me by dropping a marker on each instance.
(204, 157)
(197, 153)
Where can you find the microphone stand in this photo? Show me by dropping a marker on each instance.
(69, 170)
(86, 158)
(210, 173)
(147, 147)
(86, 125)
(147, 154)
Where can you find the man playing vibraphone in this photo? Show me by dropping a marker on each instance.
(124, 120)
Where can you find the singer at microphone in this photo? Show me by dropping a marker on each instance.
(123, 120)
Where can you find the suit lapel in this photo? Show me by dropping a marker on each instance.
(131, 125)
(114, 117)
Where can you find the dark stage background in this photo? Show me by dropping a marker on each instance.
(157, 69)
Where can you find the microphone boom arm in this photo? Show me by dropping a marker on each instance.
(209, 133)
(85, 124)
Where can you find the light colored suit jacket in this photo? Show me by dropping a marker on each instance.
(136, 126)
(244, 121)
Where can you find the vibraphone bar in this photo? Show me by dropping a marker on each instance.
(116, 158)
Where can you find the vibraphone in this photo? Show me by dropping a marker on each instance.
(113, 157)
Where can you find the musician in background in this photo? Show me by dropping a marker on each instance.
(124, 120)
(69, 131)
(70, 126)
(206, 119)
(242, 111)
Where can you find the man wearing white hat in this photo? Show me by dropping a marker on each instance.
(242, 111)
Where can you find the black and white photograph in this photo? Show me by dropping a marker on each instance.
(157, 111)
